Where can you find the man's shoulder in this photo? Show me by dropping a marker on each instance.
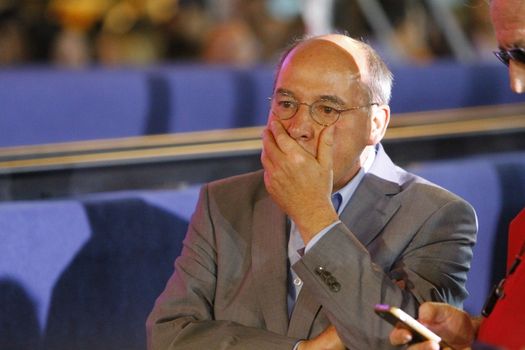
(415, 186)
(409, 186)
(243, 183)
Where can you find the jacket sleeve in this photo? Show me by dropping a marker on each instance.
(183, 315)
(431, 265)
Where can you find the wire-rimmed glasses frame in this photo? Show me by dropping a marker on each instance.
(323, 112)
(516, 54)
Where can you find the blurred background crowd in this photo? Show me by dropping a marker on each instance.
(77, 33)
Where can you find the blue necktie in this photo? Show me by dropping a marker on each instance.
(336, 201)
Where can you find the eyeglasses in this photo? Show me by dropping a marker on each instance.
(323, 112)
(517, 54)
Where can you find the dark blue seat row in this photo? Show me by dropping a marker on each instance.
(83, 273)
(46, 105)
(448, 85)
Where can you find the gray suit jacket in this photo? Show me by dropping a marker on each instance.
(402, 241)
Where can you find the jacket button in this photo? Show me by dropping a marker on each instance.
(335, 287)
(330, 280)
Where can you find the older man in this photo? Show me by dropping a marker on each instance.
(270, 262)
(505, 326)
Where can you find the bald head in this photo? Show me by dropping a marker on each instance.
(356, 49)
(358, 58)
(508, 18)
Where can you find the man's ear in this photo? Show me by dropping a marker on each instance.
(380, 117)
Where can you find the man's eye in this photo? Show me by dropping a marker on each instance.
(327, 110)
(286, 104)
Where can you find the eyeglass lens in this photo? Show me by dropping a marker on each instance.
(517, 54)
(323, 112)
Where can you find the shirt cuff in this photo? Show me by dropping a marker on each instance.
(318, 236)
(296, 346)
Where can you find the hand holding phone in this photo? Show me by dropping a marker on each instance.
(395, 315)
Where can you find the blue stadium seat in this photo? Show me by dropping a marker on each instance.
(84, 273)
(510, 168)
(41, 106)
(49, 105)
(261, 79)
(115, 278)
(447, 85)
(38, 240)
(199, 97)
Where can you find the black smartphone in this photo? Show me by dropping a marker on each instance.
(395, 315)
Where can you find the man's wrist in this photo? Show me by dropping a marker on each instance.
(309, 231)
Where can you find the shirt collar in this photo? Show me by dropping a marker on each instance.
(349, 189)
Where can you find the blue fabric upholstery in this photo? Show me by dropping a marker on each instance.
(203, 98)
(84, 274)
(510, 168)
(51, 105)
(261, 80)
(446, 85)
(47, 106)
(103, 297)
(37, 241)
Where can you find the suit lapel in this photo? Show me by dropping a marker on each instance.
(373, 203)
(269, 259)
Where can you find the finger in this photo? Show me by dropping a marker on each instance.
(270, 152)
(325, 148)
(432, 313)
(266, 162)
(267, 181)
(284, 142)
(427, 345)
(400, 336)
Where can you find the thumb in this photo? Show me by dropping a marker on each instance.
(325, 149)
(434, 313)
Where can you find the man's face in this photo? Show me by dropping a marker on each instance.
(508, 18)
(321, 70)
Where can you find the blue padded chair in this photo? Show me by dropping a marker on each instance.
(477, 181)
(84, 273)
(446, 85)
(198, 97)
(510, 168)
(261, 79)
(103, 297)
(180, 202)
(38, 240)
(41, 106)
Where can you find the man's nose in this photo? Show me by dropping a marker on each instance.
(300, 126)
(517, 76)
